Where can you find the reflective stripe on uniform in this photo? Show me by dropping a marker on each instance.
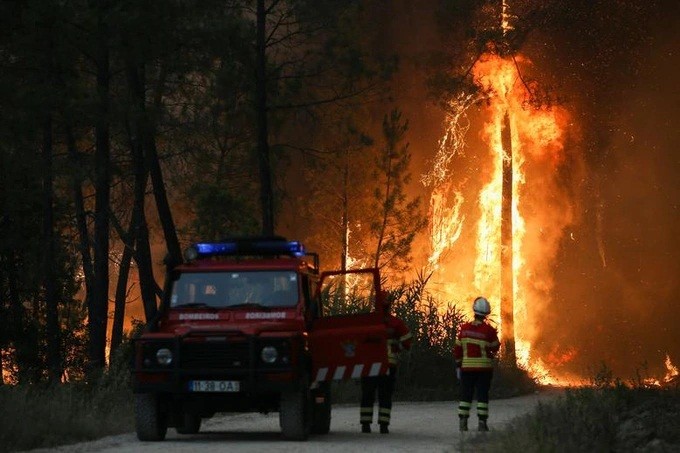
(464, 408)
(477, 362)
(482, 409)
(395, 345)
(384, 415)
(366, 414)
(483, 361)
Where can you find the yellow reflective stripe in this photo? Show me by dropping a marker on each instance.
(384, 419)
(464, 404)
(477, 362)
(366, 414)
(482, 405)
(405, 337)
(385, 410)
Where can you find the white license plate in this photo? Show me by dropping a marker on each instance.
(214, 386)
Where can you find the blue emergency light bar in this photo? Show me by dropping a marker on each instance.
(268, 247)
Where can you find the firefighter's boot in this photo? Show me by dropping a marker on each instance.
(366, 428)
(384, 429)
(482, 426)
(463, 424)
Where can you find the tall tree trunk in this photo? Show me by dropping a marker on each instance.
(147, 135)
(22, 335)
(385, 214)
(121, 292)
(143, 139)
(54, 363)
(345, 213)
(160, 196)
(266, 190)
(98, 309)
(81, 218)
(507, 272)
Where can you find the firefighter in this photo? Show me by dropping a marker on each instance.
(476, 347)
(399, 339)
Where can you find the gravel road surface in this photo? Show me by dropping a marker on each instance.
(416, 427)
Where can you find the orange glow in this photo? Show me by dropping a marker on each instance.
(465, 212)
(541, 209)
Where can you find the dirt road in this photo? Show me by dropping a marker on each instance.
(421, 427)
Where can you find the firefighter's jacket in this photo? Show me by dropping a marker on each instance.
(476, 346)
(398, 340)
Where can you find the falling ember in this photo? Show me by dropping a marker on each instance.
(541, 208)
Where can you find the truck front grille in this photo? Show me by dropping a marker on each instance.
(216, 356)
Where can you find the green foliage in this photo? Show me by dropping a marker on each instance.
(434, 333)
(397, 217)
(220, 213)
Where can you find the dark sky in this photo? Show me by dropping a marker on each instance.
(614, 66)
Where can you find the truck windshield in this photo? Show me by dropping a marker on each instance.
(225, 289)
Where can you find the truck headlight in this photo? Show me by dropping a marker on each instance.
(164, 356)
(269, 354)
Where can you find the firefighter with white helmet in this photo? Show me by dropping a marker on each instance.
(476, 346)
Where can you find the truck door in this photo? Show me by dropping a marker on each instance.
(348, 340)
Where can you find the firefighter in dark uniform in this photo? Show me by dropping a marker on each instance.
(476, 346)
(399, 339)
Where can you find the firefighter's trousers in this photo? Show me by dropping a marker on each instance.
(471, 383)
(384, 386)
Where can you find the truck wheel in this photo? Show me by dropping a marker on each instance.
(150, 420)
(321, 409)
(188, 424)
(294, 414)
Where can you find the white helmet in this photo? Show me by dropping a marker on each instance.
(481, 306)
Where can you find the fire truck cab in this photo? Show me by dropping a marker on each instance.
(243, 327)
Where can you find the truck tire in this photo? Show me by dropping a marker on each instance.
(188, 424)
(151, 421)
(321, 410)
(294, 414)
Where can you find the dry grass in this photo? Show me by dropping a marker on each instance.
(42, 416)
(617, 418)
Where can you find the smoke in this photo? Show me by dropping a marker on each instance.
(616, 293)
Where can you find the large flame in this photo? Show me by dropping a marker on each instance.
(541, 207)
(465, 211)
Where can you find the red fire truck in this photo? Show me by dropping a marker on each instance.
(243, 327)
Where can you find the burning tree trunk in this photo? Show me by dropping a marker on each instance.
(507, 286)
(345, 213)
